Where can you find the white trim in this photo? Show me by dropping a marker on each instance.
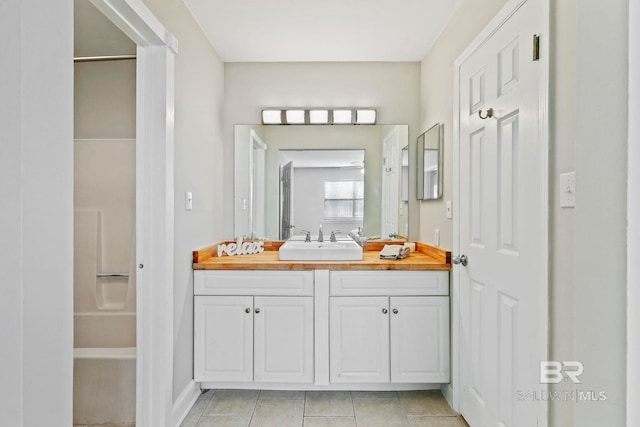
(633, 215)
(352, 386)
(543, 119)
(155, 76)
(447, 393)
(135, 19)
(104, 139)
(185, 402)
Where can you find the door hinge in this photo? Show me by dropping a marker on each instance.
(536, 47)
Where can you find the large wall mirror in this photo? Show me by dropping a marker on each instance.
(429, 163)
(293, 178)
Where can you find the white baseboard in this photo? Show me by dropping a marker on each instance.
(447, 392)
(185, 402)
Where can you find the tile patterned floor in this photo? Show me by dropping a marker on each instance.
(252, 408)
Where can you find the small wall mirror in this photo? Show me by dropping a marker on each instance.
(430, 162)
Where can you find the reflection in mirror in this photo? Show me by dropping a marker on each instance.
(430, 161)
(321, 187)
(403, 211)
(265, 206)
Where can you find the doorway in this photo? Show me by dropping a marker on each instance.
(153, 262)
(104, 389)
(500, 227)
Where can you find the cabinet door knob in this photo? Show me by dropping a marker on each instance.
(247, 310)
(257, 311)
(385, 311)
(395, 311)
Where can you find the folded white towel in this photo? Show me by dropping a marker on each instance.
(393, 252)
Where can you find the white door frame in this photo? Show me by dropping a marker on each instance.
(156, 49)
(543, 130)
(633, 230)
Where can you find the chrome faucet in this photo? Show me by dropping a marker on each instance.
(320, 237)
(333, 235)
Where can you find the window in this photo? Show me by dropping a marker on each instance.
(343, 199)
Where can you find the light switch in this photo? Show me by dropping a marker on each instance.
(436, 237)
(188, 200)
(568, 190)
(449, 210)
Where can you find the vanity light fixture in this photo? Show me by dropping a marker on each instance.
(295, 117)
(271, 117)
(366, 117)
(319, 116)
(342, 117)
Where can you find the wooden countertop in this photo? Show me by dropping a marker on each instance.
(425, 257)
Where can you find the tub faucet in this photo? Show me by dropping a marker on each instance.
(320, 237)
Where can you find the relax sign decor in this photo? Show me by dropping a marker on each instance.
(240, 248)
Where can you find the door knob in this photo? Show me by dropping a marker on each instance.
(257, 311)
(460, 259)
(384, 311)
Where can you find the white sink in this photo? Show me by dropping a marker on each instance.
(342, 250)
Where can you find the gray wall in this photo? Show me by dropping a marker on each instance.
(105, 99)
(199, 90)
(587, 114)
(308, 200)
(392, 88)
(600, 217)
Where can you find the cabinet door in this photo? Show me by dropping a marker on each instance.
(283, 339)
(419, 339)
(359, 339)
(223, 338)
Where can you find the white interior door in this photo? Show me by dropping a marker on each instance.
(390, 183)
(502, 225)
(286, 201)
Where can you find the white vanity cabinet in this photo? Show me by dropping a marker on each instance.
(253, 326)
(389, 326)
(321, 329)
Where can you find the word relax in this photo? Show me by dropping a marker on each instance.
(240, 248)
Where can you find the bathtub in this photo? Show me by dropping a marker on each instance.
(104, 371)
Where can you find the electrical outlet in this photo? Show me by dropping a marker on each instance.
(436, 237)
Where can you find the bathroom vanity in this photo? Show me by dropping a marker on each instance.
(262, 323)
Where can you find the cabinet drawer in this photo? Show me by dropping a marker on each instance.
(388, 283)
(257, 282)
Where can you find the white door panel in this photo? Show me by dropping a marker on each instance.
(390, 183)
(359, 339)
(501, 225)
(283, 339)
(419, 339)
(223, 338)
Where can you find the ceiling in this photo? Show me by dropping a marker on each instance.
(293, 30)
(328, 30)
(322, 158)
